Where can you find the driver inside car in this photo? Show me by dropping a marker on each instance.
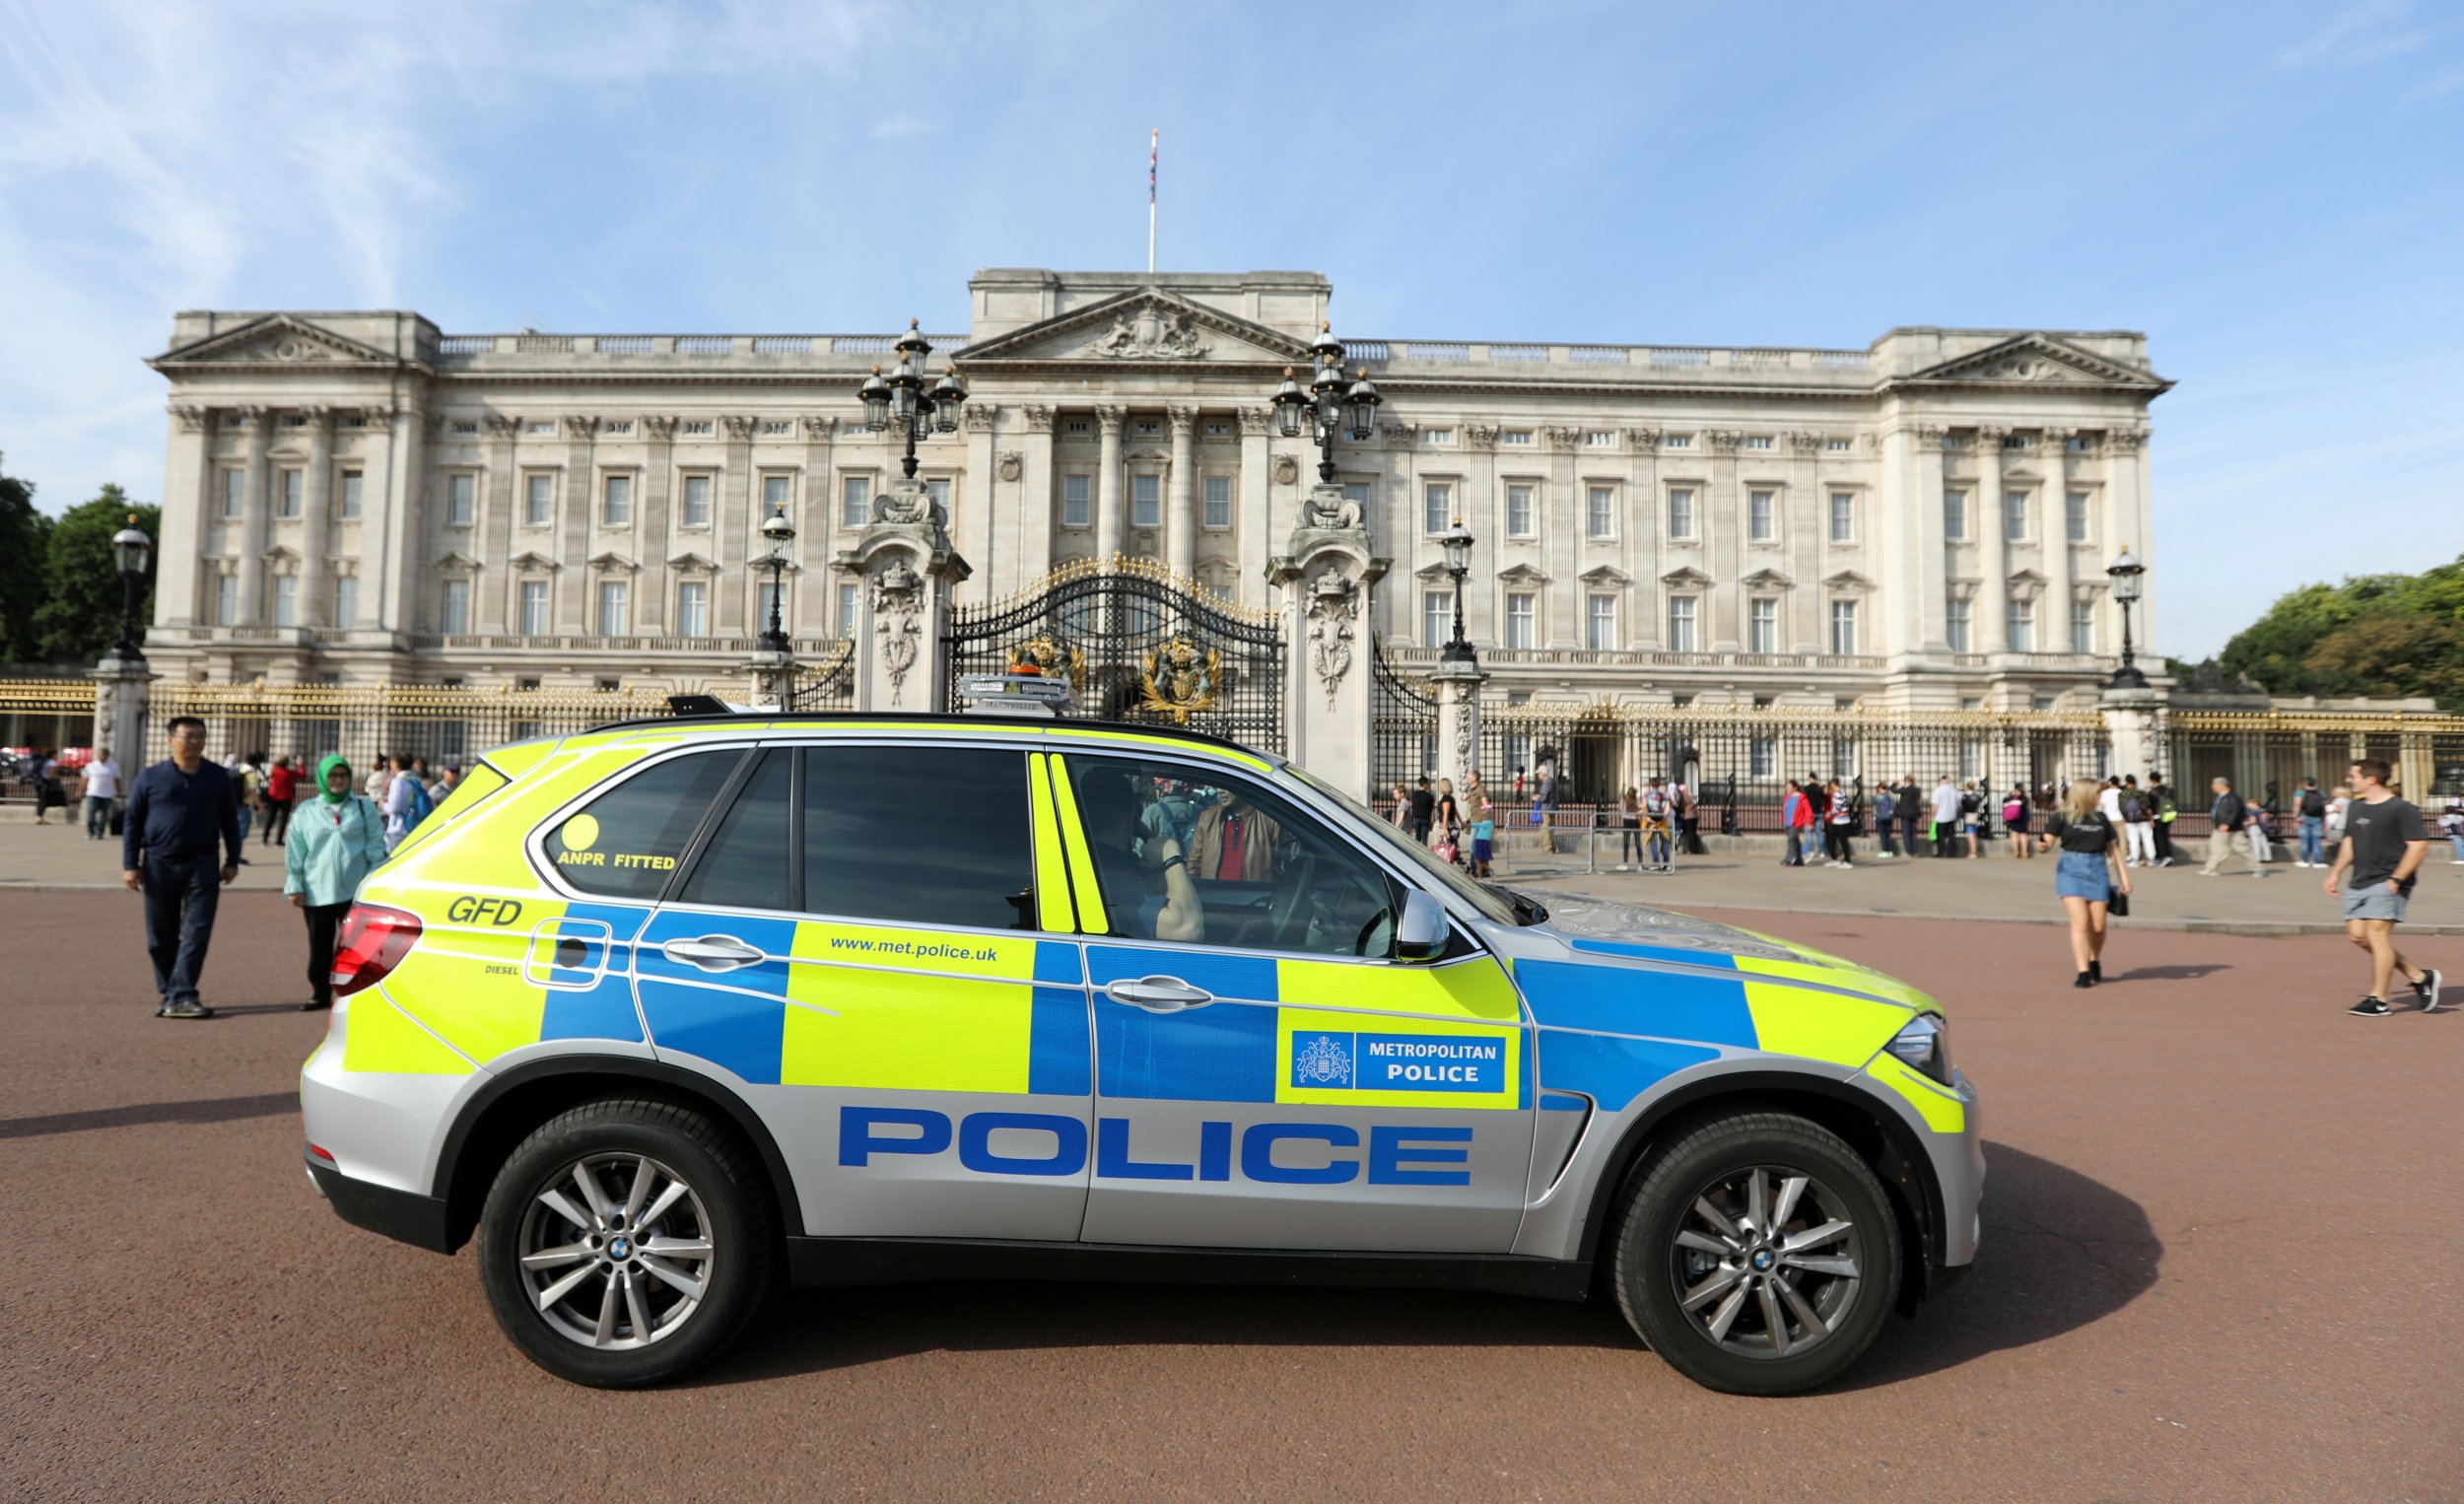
(1234, 842)
(1147, 891)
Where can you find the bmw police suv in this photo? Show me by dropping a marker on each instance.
(673, 1011)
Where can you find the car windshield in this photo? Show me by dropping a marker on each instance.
(1473, 893)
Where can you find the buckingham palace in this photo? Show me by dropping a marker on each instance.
(357, 498)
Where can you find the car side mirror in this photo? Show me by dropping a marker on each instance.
(1420, 933)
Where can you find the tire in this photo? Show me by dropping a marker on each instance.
(1745, 1262)
(689, 1265)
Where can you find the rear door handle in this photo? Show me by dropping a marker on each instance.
(1159, 994)
(713, 953)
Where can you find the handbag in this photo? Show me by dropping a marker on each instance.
(2119, 906)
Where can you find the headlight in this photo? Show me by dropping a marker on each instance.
(1924, 1045)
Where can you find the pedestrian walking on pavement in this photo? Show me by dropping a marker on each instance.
(1797, 812)
(2014, 819)
(1423, 812)
(2384, 847)
(103, 796)
(2254, 825)
(1631, 823)
(1401, 815)
(2451, 825)
(336, 840)
(2088, 873)
(1911, 815)
(1971, 811)
(282, 786)
(2160, 796)
(1688, 818)
(180, 811)
(1838, 819)
(2310, 809)
(2224, 822)
(1657, 809)
(2138, 824)
(1885, 811)
(1946, 811)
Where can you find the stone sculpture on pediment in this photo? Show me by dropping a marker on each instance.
(1151, 335)
(1334, 607)
(897, 611)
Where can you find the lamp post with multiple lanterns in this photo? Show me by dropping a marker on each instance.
(1331, 404)
(907, 400)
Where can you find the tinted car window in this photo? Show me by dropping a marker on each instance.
(745, 865)
(626, 842)
(1265, 874)
(920, 835)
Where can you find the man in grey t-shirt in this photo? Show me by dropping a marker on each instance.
(2384, 844)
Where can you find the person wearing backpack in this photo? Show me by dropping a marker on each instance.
(406, 804)
(2310, 806)
(2015, 818)
(337, 837)
(2138, 824)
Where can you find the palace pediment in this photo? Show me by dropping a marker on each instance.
(278, 339)
(2034, 359)
(1146, 327)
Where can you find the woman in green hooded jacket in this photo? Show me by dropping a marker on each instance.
(335, 842)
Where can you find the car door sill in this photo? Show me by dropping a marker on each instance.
(814, 1261)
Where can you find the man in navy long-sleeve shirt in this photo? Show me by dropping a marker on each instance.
(179, 811)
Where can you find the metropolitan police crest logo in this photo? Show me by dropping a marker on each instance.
(1325, 1060)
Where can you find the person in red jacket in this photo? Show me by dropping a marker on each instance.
(281, 785)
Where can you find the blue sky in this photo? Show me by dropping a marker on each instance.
(2274, 192)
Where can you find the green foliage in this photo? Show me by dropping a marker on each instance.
(80, 616)
(24, 541)
(2389, 635)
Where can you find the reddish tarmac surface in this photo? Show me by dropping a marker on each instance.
(2220, 1262)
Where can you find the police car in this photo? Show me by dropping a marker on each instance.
(672, 1013)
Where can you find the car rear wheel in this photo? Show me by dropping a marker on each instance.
(626, 1242)
(1758, 1255)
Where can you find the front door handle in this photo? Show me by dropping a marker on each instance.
(713, 953)
(1158, 994)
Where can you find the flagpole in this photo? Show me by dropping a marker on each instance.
(1154, 149)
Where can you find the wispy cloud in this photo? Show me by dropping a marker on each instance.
(2365, 32)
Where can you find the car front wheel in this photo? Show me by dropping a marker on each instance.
(626, 1242)
(1758, 1255)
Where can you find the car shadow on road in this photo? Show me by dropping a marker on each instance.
(2061, 1251)
(207, 1110)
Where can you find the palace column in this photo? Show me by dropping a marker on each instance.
(979, 490)
(1992, 547)
(189, 495)
(1107, 484)
(1031, 552)
(318, 528)
(402, 462)
(650, 613)
(734, 530)
(2055, 636)
(810, 612)
(573, 599)
(1181, 523)
(1256, 497)
(256, 509)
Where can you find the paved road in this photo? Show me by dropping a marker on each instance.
(2221, 1263)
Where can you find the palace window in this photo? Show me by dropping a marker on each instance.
(2018, 441)
(234, 495)
(777, 427)
(697, 428)
(616, 427)
(463, 426)
(2083, 626)
(457, 605)
(1437, 618)
(849, 599)
(1681, 638)
(1954, 515)
(692, 609)
(1146, 501)
(1843, 626)
(2075, 516)
(461, 500)
(2014, 515)
(615, 609)
(346, 602)
(1218, 501)
(1519, 519)
(1762, 524)
(1515, 438)
(540, 427)
(1077, 501)
(1678, 441)
(1600, 511)
(1838, 446)
(1762, 625)
(1758, 441)
(855, 500)
(285, 600)
(225, 599)
(1522, 619)
(778, 492)
(2079, 444)
(1150, 426)
(1957, 624)
(1600, 623)
(534, 608)
(1438, 438)
(1216, 428)
(696, 509)
(937, 492)
(617, 507)
(348, 504)
(291, 490)
(1843, 516)
(2022, 622)
(1682, 513)
(1599, 439)
(765, 595)
(1763, 757)
(1437, 507)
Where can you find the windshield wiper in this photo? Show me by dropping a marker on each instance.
(1526, 911)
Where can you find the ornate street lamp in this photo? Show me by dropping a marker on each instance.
(908, 399)
(1457, 542)
(1331, 404)
(130, 550)
(777, 532)
(2124, 572)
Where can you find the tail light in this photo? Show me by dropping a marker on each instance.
(372, 942)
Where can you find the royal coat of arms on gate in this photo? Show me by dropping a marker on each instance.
(1180, 679)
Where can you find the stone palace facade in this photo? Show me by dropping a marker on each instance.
(360, 498)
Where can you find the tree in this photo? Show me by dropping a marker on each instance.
(81, 614)
(25, 535)
(2389, 634)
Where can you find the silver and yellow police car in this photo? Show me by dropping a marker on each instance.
(671, 1013)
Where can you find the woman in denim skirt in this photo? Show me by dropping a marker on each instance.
(2088, 875)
